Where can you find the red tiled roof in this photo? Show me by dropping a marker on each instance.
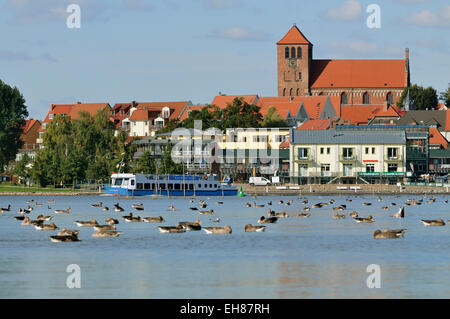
(447, 121)
(318, 124)
(28, 125)
(294, 36)
(383, 111)
(357, 114)
(358, 74)
(436, 138)
(285, 144)
(176, 108)
(91, 108)
(145, 114)
(185, 114)
(222, 101)
(282, 108)
(57, 109)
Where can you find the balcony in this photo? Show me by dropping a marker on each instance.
(304, 159)
(397, 158)
(348, 159)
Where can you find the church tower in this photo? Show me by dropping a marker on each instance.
(294, 54)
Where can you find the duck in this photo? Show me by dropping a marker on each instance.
(203, 205)
(19, 217)
(353, 214)
(306, 209)
(395, 233)
(193, 208)
(340, 207)
(280, 202)
(281, 215)
(385, 208)
(172, 229)
(249, 228)
(270, 220)
(171, 207)
(50, 226)
(400, 213)
(219, 203)
(206, 212)
(44, 218)
(29, 201)
(105, 209)
(104, 227)
(132, 219)
(191, 225)
(68, 232)
(367, 204)
(254, 205)
(138, 206)
(117, 208)
(394, 204)
(51, 201)
(63, 211)
(36, 204)
(215, 220)
(339, 216)
(28, 222)
(318, 205)
(429, 222)
(90, 223)
(218, 230)
(364, 220)
(248, 205)
(111, 221)
(97, 205)
(305, 215)
(158, 219)
(106, 233)
(269, 203)
(305, 202)
(64, 238)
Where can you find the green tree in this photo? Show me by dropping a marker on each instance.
(273, 119)
(13, 113)
(145, 164)
(240, 114)
(210, 116)
(23, 168)
(445, 96)
(421, 98)
(167, 165)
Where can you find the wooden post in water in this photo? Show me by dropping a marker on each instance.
(184, 184)
(195, 178)
(168, 190)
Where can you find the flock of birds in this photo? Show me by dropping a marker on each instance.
(108, 229)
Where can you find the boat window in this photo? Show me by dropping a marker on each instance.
(132, 182)
(125, 182)
(118, 182)
(191, 186)
(210, 185)
(169, 186)
(199, 186)
(146, 186)
(162, 186)
(153, 186)
(177, 186)
(139, 186)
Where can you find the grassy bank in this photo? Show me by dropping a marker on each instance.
(7, 189)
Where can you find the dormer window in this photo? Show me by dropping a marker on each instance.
(50, 116)
(165, 113)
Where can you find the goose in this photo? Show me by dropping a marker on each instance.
(367, 204)
(306, 209)
(29, 201)
(138, 207)
(280, 202)
(97, 205)
(36, 204)
(269, 203)
(132, 219)
(203, 205)
(27, 222)
(171, 229)
(331, 202)
(219, 203)
(305, 202)
(158, 219)
(248, 205)
(263, 220)
(319, 205)
(64, 238)
(206, 212)
(111, 221)
(50, 226)
(193, 208)
(339, 216)
(339, 208)
(364, 220)
(63, 211)
(254, 205)
(19, 217)
(105, 209)
(90, 223)
(215, 220)
(353, 214)
(104, 227)
(378, 234)
(348, 200)
(106, 233)
(44, 218)
(400, 213)
(303, 215)
(68, 232)
(218, 230)
(429, 222)
(191, 225)
(117, 208)
(282, 215)
(171, 207)
(27, 210)
(385, 208)
(3, 210)
(249, 228)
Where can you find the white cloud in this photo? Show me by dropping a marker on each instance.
(428, 18)
(351, 10)
(238, 33)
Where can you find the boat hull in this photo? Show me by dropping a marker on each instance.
(136, 192)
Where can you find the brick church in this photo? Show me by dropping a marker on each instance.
(357, 82)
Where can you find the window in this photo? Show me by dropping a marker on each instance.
(50, 116)
(392, 152)
(373, 150)
(367, 150)
(118, 182)
(199, 186)
(347, 152)
(210, 185)
(392, 167)
(299, 52)
(370, 168)
(328, 150)
(298, 92)
(302, 170)
(290, 92)
(344, 99)
(348, 170)
(325, 170)
(321, 150)
(132, 182)
(177, 186)
(153, 186)
(146, 186)
(244, 139)
(139, 186)
(191, 186)
(162, 186)
(284, 92)
(366, 98)
(299, 77)
(286, 53)
(303, 153)
(292, 52)
(390, 98)
(146, 123)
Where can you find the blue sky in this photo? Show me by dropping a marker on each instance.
(161, 50)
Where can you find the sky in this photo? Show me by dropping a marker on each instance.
(190, 50)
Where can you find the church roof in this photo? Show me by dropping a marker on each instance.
(294, 36)
(358, 74)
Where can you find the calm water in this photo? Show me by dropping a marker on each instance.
(316, 257)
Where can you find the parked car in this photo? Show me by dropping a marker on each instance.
(258, 181)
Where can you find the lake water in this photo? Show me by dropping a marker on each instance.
(315, 257)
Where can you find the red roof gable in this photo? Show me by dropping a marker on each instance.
(176, 108)
(436, 138)
(185, 114)
(319, 124)
(294, 36)
(91, 108)
(222, 101)
(358, 74)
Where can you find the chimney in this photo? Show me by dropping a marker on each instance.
(133, 104)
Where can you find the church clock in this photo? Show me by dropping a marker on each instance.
(293, 63)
